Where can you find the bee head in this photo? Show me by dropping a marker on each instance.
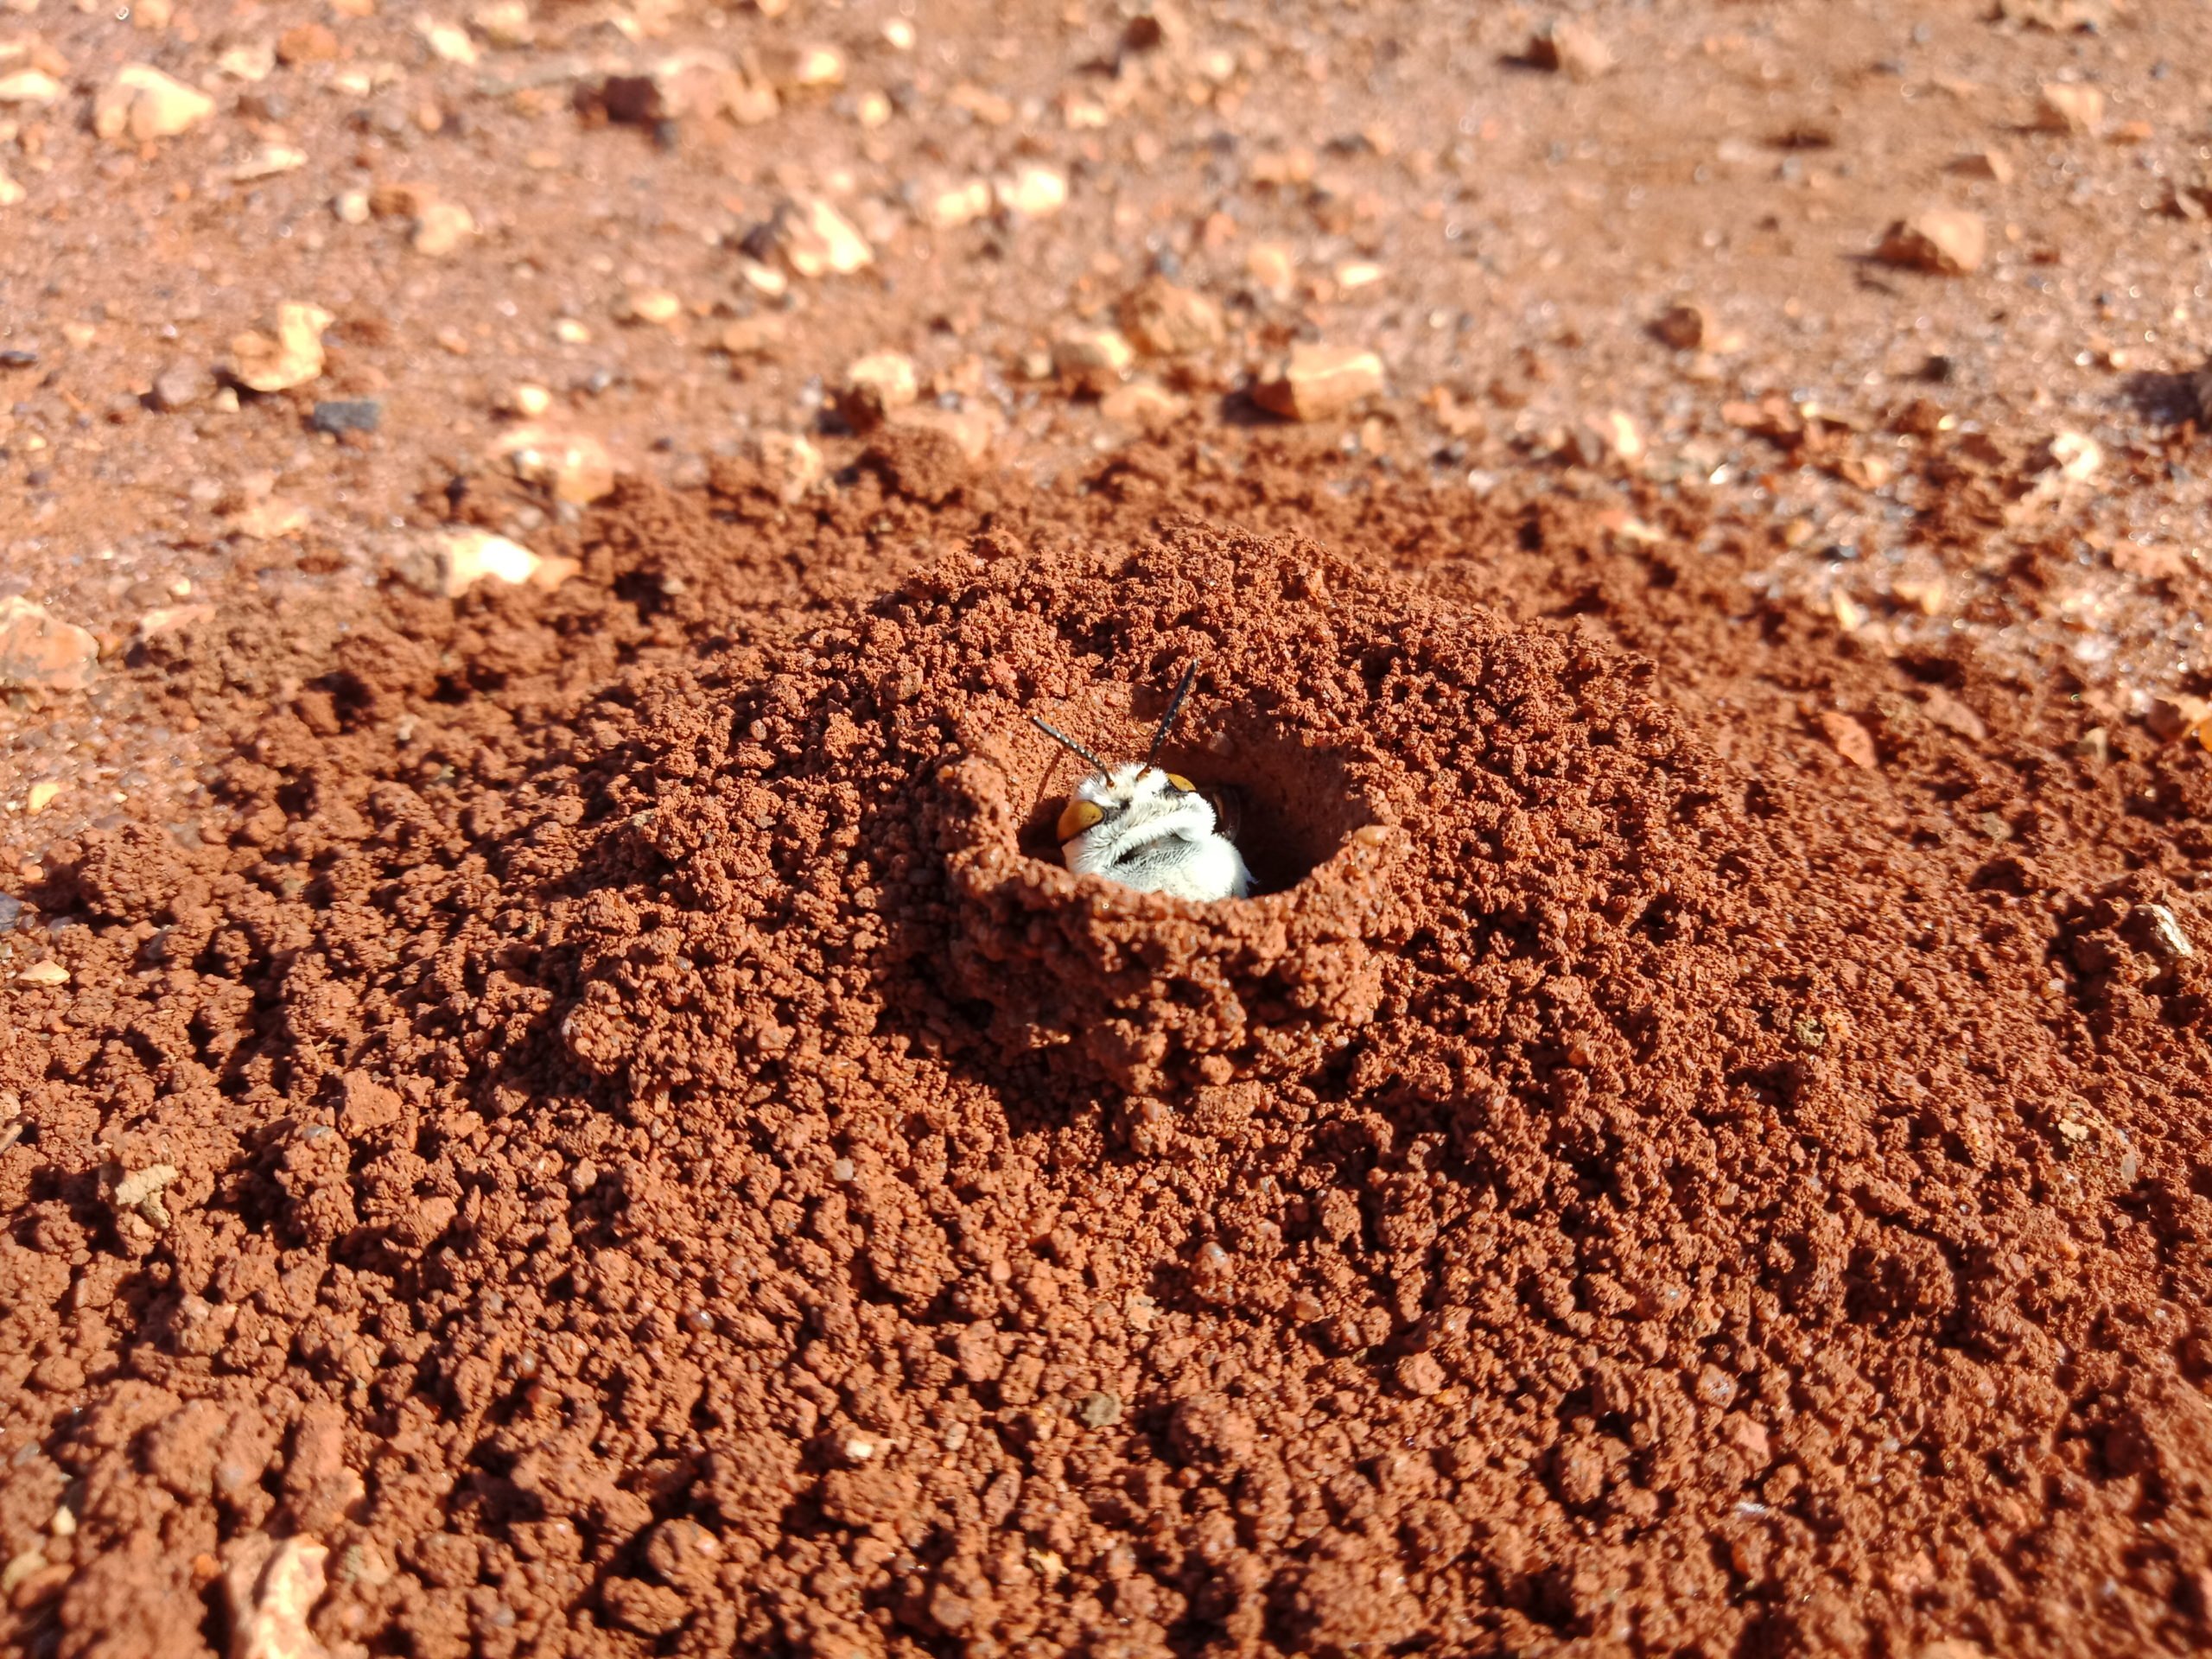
(1105, 797)
(1109, 791)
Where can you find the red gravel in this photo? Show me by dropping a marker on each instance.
(660, 1165)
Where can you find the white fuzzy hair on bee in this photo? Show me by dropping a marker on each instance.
(1148, 828)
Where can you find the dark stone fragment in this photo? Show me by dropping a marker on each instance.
(632, 100)
(348, 415)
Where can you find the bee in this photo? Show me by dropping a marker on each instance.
(1148, 828)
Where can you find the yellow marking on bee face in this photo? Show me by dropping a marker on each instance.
(1182, 783)
(1077, 817)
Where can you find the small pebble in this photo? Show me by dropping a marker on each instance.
(2064, 107)
(442, 227)
(1033, 192)
(875, 386)
(1572, 48)
(142, 104)
(1092, 360)
(655, 307)
(1099, 1410)
(1163, 320)
(347, 415)
(42, 651)
(1684, 326)
(1319, 382)
(1943, 241)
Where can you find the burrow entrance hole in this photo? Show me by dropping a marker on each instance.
(1287, 807)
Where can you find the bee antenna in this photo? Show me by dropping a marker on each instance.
(1174, 708)
(1061, 737)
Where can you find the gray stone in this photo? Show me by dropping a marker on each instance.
(348, 415)
(180, 385)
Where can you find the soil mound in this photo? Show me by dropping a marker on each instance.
(1412, 780)
(636, 1144)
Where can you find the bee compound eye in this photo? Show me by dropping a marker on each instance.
(1182, 783)
(1077, 817)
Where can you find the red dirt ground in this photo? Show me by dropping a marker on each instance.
(580, 1118)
